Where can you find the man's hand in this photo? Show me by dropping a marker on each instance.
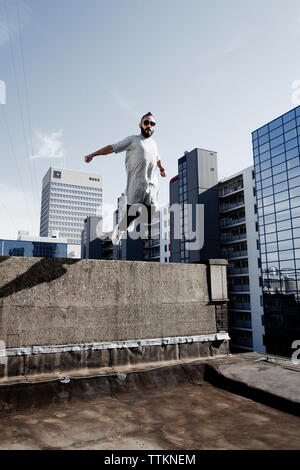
(163, 174)
(88, 158)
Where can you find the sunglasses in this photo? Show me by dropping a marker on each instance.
(146, 123)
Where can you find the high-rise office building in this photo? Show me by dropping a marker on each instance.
(239, 239)
(276, 150)
(68, 197)
(195, 234)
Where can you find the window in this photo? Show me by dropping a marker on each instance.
(288, 116)
(285, 235)
(280, 177)
(295, 202)
(292, 163)
(289, 125)
(263, 130)
(264, 156)
(279, 168)
(56, 174)
(285, 245)
(279, 159)
(284, 255)
(275, 142)
(276, 132)
(276, 123)
(268, 200)
(291, 144)
(281, 196)
(292, 153)
(283, 215)
(284, 225)
(294, 171)
(290, 135)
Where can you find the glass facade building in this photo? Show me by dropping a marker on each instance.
(276, 151)
(33, 249)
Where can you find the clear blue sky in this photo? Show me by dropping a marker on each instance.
(80, 73)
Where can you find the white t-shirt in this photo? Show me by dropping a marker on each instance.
(141, 164)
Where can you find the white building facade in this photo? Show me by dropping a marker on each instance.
(68, 197)
(240, 246)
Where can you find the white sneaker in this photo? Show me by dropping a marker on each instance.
(116, 235)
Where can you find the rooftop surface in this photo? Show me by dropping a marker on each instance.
(243, 401)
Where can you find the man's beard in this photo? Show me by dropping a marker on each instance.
(146, 134)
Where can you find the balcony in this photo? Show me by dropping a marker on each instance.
(239, 288)
(230, 222)
(237, 271)
(233, 238)
(235, 254)
(231, 190)
(240, 306)
(237, 323)
(232, 206)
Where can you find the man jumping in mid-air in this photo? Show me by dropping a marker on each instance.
(141, 162)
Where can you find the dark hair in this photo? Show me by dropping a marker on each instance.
(145, 115)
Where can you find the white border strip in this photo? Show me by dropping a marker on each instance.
(61, 348)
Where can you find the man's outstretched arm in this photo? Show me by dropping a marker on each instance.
(161, 168)
(104, 151)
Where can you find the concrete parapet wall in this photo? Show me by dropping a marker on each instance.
(61, 301)
(65, 302)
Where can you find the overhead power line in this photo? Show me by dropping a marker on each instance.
(20, 110)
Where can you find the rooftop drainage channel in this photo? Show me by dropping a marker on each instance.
(64, 388)
(28, 392)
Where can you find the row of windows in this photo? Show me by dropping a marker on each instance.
(287, 148)
(87, 211)
(62, 185)
(85, 204)
(280, 157)
(293, 214)
(276, 181)
(61, 217)
(281, 256)
(33, 249)
(284, 185)
(288, 131)
(68, 224)
(74, 230)
(281, 139)
(279, 178)
(282, 200)
(276, 123)
(66, 197)
(291, 267)
(283, 230)
(281, 245)
(267, 164)
(71, 213)
(72, 191)
(279, 206)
